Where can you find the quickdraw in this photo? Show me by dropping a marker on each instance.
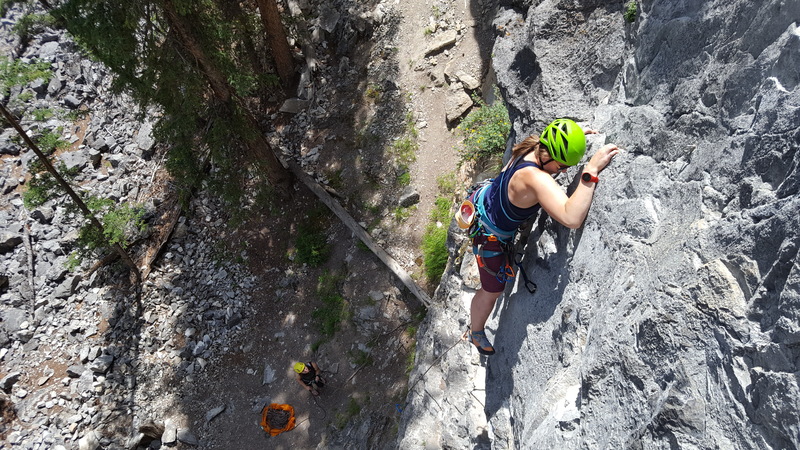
(506, 271)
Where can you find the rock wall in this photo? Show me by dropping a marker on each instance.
(670, 319)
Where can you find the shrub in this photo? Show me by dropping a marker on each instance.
(51, 141)
(121, 222)
(631, 11)
(43, 186)
(485, 130)
(18, 73)
(42, 114)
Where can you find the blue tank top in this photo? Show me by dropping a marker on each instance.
(497, 208)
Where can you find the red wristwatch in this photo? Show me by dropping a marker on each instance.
(589, 177)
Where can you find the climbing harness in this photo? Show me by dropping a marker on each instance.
(481, 227)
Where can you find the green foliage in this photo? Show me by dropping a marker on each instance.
(42, 186)
(50, 141)
(404, 179)
(137, 41)
(18, 73)
(334, 308)
(312, 243)
(434, 241)
(447, 183)
(401, 213)
(404, 149)
(33, 23)
(119, 221)
(411, 357)
(353, 409)
(25, 96)
(631, 11)
(373, 92)
(485, 130)
(42, 114)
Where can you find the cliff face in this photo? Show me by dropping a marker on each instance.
(671, 319)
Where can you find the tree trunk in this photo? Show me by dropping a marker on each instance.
(64, 185)
(216, 78)
(277, 175)
(276, 40)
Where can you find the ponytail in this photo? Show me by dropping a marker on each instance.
(529, 144)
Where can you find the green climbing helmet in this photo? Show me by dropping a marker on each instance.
(565, 141)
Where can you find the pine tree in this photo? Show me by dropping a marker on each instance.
(177, 54)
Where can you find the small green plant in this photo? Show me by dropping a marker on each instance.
(447, 183)
(631, 11)
(361, 245)
(411, 358)
(374, 92)
(335, 179)
(485, 130)
(365, 136)
(43, 186)
(42, 114)
(404, 179)
(334, 307)
(401, 213)
(404, 150)
(75, 114)
(120, 222)
(17, 73)
(50, 141)
(437, 13)
(352, 410)
(25, 97)
(312, 244)
(427, 32)
(434, 241)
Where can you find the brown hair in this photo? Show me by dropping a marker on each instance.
(529, 144)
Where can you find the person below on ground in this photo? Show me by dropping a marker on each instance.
(308, 375)
(526, 184)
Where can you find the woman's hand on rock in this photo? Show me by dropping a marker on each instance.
(601, 158)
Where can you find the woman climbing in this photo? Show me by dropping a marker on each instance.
(526, 184)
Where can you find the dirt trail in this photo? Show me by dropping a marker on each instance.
(438, 143)
(370, 356)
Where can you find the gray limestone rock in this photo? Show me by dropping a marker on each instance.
(9, 241)
(669, 319)
(72, 101)
(442, 41)
(294, 106)
(210, 415)
(9, 380)
(458, 103)
(408, 197)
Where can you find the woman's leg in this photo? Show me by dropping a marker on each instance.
(482, 305)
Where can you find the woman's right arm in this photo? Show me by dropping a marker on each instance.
(571, 211)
